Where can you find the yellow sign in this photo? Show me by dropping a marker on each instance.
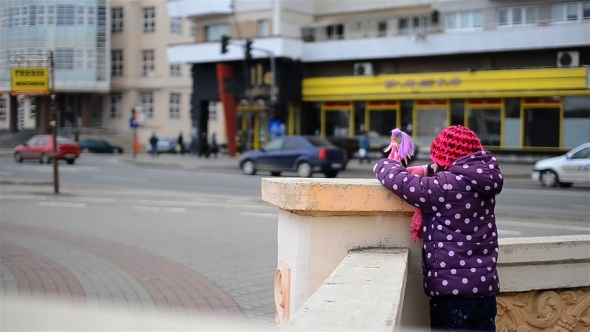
(30, 81)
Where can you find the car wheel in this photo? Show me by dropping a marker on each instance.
(18, 158)
(45, 159)
(549, 179)
(304, 170)
(70, 161)
(331, 174)
(248, 167)
(275, 173)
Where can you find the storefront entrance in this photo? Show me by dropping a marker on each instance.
(542, 119)
(259, 121)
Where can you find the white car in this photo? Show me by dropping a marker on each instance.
(571, 168)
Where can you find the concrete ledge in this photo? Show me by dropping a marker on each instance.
(562, 261)
(335, 197)
(365, 292)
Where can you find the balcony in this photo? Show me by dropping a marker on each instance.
(195, 8)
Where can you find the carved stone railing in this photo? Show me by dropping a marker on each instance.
(545, 281)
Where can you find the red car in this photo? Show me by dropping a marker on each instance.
(41, 147)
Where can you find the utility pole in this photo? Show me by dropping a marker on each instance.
(53, 124)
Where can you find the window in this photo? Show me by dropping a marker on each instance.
(464, 20)
(64, 58)
(176, 25)
(50, 15)
(382, 29)
(335, 31)
(79, 59)
(117, 20)
(147, 63)
(403, 27)
(66, 14)
(517, 16)
(149, 20)
(212, 111)
(214, 32)
(116, 105)
(576, 120)
(40, 15)
(32, 15)
(147, 101)
(117, 63)
(174, 106)
(91, 59)
(193, 28)
(80, 15)
(33, 108)
(263, 28)
(175, 69)
(3, 109)
(91, 15)
(571, 11)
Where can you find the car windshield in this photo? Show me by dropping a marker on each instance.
(63, 140)
(318, 141)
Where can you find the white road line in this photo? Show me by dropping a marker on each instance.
(506, 232)
(63, 204)
(541, 225)
(119, 178)
(175, 210)
(147, 208)
(260, 214)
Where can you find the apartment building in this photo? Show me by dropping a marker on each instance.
(516, 72)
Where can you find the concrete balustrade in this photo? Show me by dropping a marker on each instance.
(545, 281)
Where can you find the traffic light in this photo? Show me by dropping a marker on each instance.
(248, 49)
(224, 43)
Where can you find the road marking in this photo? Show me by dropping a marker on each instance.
(119, 178)
(507, 232)
(146, 208)
(260, 214)
(63, 204)
(540, 225)
(176, 210)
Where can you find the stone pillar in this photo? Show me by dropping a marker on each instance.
(321, 220)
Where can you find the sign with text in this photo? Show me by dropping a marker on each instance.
(30, 81)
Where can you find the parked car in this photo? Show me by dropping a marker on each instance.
(566, 170)
(99, 146)
(41, 147)
(302, 154)
(167, 144)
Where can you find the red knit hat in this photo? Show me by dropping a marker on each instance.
(453, 143)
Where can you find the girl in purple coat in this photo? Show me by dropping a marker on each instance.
(459, 234)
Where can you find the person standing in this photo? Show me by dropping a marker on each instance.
(180, 142)
(365, 147)
(213, 147)
(154, 144)
(457, 198)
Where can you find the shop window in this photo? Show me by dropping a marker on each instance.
(541, 122)
(430, 119)
(3, 109)
(337, 123)
(512, 122)
(486, 123)
(33, 108)
(457, 112)
(576, 121)
(407, 108)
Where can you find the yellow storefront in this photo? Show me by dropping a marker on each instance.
(521, 109)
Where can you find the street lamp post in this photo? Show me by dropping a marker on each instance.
(53, 124)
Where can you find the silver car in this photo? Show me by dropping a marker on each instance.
(566, 170)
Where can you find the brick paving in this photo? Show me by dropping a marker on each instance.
(174, 288)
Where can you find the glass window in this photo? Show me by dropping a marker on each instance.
(91, 12)
(24, 17)
(64, 58)
(66, 14)
(117, 63)
(486, 123)
(3, 109)
(457, 112)
(291, 143)
(429, 122)
(33, 108)
(149, 20)
(33, 15)
(40, 15)
(176, 25)
(79, 59)
(335, 31)
(214, 32)
(147, 62)
(91, 59)
(50, 15)
(263, 28)
(558, 13)
(80, 15)
(576, 121)
(274, 145)
(512, 122)
(530, 15)
(403, 26)
(147, 101)
(174, 106)
(382, 29)
(503, 16)
(516, 16)
(582, 154)
(175, 69)
(193, 28)
(464, 20)
(116, 109)
(572, 11)
(117, 20)
(586, 10)
(337, 123)
(477, 19)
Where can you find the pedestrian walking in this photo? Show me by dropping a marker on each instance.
(457, 197)
(364, 148)
(154, 144)
(180, 142)
(203, 146)
(213, 147)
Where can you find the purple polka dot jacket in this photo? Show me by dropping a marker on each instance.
(459, 235)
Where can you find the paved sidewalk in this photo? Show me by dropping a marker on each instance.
(225, 163)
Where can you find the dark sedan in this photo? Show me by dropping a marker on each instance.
(99, 146)
(302, 154)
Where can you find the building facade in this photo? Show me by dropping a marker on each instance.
(76, 33)
(514, 72)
